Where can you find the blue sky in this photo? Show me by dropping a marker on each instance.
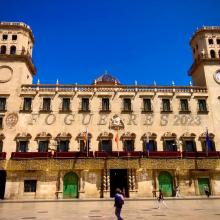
(76, 41)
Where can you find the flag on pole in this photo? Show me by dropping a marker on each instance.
(208, 142)
(85, 139)
(116, 137)
(148, 144)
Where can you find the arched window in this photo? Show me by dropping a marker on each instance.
(212, 53)
(13, 50)
(3, 49)
(211, 41)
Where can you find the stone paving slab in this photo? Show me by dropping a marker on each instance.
(208, 209)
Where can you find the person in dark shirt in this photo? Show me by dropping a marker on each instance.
(119, 201)
(160, 199)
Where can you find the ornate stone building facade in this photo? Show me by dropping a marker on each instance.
(83, 141)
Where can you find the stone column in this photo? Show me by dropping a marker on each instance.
(106, 183)
(82, 183)
(132, 184)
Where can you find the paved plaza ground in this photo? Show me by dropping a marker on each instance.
(200, 209)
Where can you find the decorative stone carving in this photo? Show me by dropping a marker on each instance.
(203, 135)
(149, 135)
(128, 135)
(105, 135)
(63, 135)
(23, 135)
(5, 74)
(116, 123)
(11, 119)
(169, 135)
(43, 135)
(188, 135)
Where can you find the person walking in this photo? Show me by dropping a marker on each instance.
(206, 190)
(177, 191)
(119, 202)
(160, 200)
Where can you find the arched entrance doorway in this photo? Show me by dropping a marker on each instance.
(166, 183)
(2, 183)
(202, 183)
(70, 185)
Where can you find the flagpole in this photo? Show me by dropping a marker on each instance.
(117, 142)
(87, 145)
(206, 141)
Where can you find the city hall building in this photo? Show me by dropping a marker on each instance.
(82, 141)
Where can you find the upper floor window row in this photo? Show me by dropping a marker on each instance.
(13, 37)
(166, 107)
(213, 54)
(211, 41)
(3, 49)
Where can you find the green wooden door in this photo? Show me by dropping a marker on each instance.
(202, 182)
(70, 185)
(166, 183)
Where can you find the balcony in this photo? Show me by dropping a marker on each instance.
(72, 154)
(163, 154)
(104, 154)
(210, 154)
(189, 154)
(201, 154)
(2, 155)
(30, 155)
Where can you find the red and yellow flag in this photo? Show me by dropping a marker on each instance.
(116, 137)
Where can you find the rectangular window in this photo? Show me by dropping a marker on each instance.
(151, 146)
(22, 146)
(147, 105)
(2, 104)
(43, 146)
(105, 104)
(218, 41)
(210, 41)
(128, 145)
(189, 145)
(170, 145)
(46, 104)
(4, 37)
(85, 104)
(82, 145)
(27, 104)
(66, 104)
(127, 104)
(1, 146)
(14, 37)
(106, 145)
(202, 105)
(30, 185)
(166, 105)
(1, 122)
(184, 105)
(63, 146)
(211, 146)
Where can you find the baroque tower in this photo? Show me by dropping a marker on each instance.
(205, 70)
(16, 65)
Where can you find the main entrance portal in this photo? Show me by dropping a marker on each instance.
(119, 179)
(2, 183)
(70, 185)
